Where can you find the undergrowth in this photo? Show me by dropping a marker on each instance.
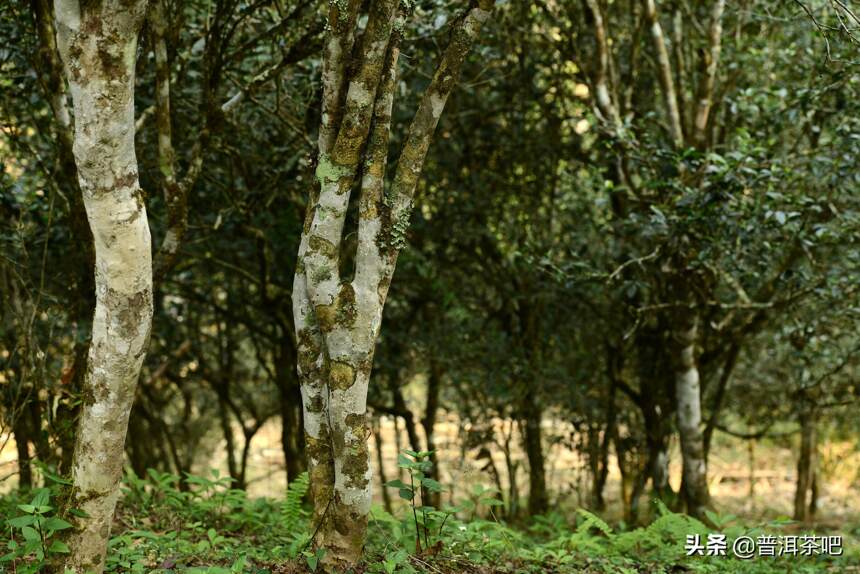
(166, 524)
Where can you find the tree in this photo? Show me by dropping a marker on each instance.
(338, 317)
(98, 44)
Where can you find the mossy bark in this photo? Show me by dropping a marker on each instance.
(98, 44)
(337, 321)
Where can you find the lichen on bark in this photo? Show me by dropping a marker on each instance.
(98, 43)
(338, 321)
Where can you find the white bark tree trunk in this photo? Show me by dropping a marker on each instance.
(337, 321)
(98, 44)
(688, 394)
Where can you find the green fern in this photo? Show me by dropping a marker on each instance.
(292, 512)
(592, 521)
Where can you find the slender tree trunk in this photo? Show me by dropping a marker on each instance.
(142, 453)
(657, 444)
(813, 494)
(688, 393)
(434, 386)
(404, 412)
(593, 452)
(376, 428)
(664, 68)
(513, 486)
(606, 443)
(229, 442)
(751, 466)
(490, 468)
(533, 443)
(98, 44)
(290, 395)
(39, 438)
(83, 301)
(805, 467)
(22, 442)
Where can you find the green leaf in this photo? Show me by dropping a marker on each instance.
(22, 521)
(54, 524)
(432, 485)
(54, 478)
(42, 497)
(397, 484)
(28, 508)
(58, 547)
(404, 461)
(30, 534)
(406, 493)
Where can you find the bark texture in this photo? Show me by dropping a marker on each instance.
(688, 393)
(337, 320)
(98, 44)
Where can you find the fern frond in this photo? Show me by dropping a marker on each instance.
(593, 521)
(292, 513)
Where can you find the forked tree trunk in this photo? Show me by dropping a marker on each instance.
(98, 44)
(337, 320)
(688, 394)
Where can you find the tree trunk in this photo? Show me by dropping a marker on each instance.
(657, 434)
(434, 387)
(376, 428)
(83, 300)
(533, 443)
(687, 391)
(229, 443)
(511, 468)
(22, 442)
(592, 449)
(98, 44)
(337, 320)
(606, 443)
(813, 494)
(290, 395)
(805, 467)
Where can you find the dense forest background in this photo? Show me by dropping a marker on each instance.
(627, 283)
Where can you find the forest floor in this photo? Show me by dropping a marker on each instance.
(202, 526)
(206, 527)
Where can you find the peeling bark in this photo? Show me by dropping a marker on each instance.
(98, 45)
